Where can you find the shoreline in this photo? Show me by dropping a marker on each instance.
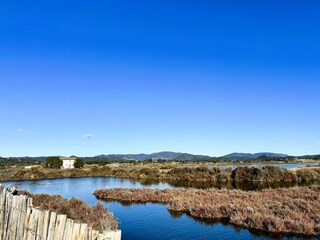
(292, 211)
(190, 174)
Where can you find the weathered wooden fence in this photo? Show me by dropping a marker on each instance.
(19, 220)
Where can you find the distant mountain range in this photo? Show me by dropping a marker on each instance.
(166, 155)
(255, 155)
(184, 156)
(158, 155)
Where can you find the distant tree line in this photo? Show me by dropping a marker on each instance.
(13, 161)
(54, 163)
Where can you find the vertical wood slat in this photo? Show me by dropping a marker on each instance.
(76, 231)
(46, 220)
(52, 224)
(2, 212)
(39, 229)
(13, 219)
(22, 216)
(7, 215)
(30, 225)
(83, 231)
(110, 235)
(5, 209)
(34, 226)
(20, 221)
(95, 235)
(60, 226)
(27, 219)
(69, 229)
(89, 233)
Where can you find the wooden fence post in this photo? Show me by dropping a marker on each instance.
(19, 220)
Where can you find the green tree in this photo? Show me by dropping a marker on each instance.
(53, 162)
(79, 163)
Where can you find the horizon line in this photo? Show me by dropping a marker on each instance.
(207, 155)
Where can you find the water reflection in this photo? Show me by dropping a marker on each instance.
(253, 186)
(143, 221)
(226, 223)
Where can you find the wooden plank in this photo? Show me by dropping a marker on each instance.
(57, 227)
(83, 230)
(17, 229)
(111, 235)
(52, 224)
(32, 225)
(13, 217)
(69, 229)
(7, 215)
(95, 235)
(46, 221)
(27, 218)
(10, 219)
(2, 212)
(60, 226)
(22, 215)
(89, 233)
(40, 225)
(29, 226)
(75, 231)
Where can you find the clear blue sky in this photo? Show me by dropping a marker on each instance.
(208, 77)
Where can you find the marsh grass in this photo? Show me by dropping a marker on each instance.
(173, 172)
(283, 211)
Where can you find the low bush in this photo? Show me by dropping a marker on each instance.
(96, 217)
(308, 174)
(264, 174)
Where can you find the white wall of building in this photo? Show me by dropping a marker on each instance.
(68, 164)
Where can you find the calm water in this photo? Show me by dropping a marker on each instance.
(139, 221)
(280, 165)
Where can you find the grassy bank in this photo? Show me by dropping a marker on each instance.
(171, 172)
(285, 211)
(96, 217)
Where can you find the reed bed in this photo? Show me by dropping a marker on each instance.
(284, 211)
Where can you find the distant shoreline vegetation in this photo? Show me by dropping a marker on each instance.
(236, 158)
(189, 173)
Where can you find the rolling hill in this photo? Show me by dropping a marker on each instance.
(255, 155)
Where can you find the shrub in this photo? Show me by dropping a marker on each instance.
(223, 177)
(308, 175)
(79, 163)
(96, 217)
(265, 174)
(244, 174)
(149, 172)
(53, 162)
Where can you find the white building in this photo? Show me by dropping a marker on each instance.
(68, 162)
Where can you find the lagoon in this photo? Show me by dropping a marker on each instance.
(140, 221)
